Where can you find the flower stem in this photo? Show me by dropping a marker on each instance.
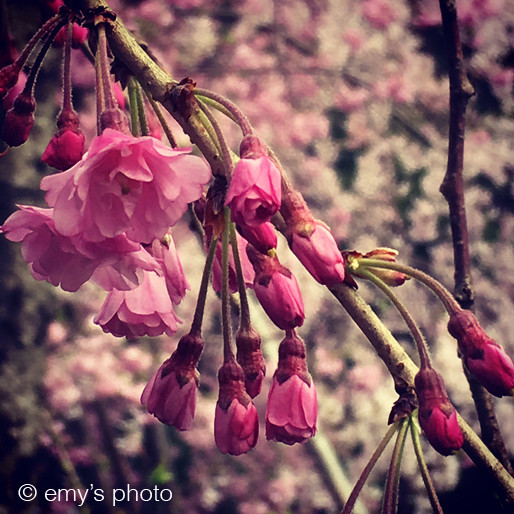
(444, 295)
(143, 122)
(105, 71)
(216, 105)
(393, 480)
(134, 111)
(245, 309)
(409, 320)
(66, 103)
(196, 325)
(237, 115)
(369, 466)
(162, 120)
(228, 354)
(429, 485)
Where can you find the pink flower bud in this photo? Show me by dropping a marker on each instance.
(19, 120)
(236, 424)
(437, 415)
(482, 355)
(292, 406)
(78, 36)
(263, 237)
(8, 78)
(254, 194)
(311, 241)
(67, 146)
(249, 356)
(170, 395)
(277, 290)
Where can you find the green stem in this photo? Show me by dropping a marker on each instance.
(104, 67)
(228, 353)
(239, 117)
(145, 131)
(245, 309)
(393, 479)
(369, 466)
(222, 142)
(444, 295)
(429, 485)
(161, 118)
(216, 105)
(66, 103)
(196, 325)
(134, 111)
(409, 320)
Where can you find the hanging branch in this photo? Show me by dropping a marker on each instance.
(179, 100)
(452, 189)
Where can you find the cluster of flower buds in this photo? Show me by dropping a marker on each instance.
(482, 355)
(436, 414)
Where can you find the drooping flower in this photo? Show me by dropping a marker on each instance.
(145, 310)
(170, 395)
(437, 416)
(124, 184)
(292, 407)
(254, 194)
(71, 261)
(66, 147)
(236, 424)
(277, 290)
(311, 241)
(482, 355)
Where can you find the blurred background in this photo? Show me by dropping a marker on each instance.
(353, 98)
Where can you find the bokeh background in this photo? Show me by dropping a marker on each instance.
(353, 98)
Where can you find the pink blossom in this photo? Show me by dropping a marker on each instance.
(125, 184)
(319, 253)
(277, 290)
(236, 425)
(236, 429)
(170, 395)
(254, 194)
(169, 401)
(145, 310)
(291, 411)
(482, 355)
(379, 13)
(437, 415)
(166, 255)
(65, 149)
(71, 261)
(263, 237)
(19, 120)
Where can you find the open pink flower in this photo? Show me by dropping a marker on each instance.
(71, 261)
(292, 407)
(482, 355)
(170, 395)
(145, 310)
(125, 184)
(437, 416)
